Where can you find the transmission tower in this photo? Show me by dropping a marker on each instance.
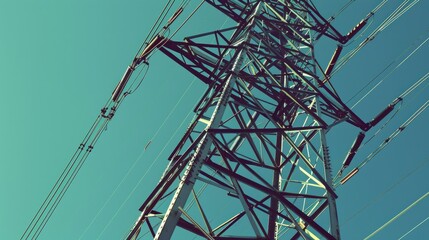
(254, 162)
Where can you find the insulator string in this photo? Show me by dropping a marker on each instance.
(389, 139)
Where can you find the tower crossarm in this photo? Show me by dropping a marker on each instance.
(272, 53)
(255, 155)
(287, 10)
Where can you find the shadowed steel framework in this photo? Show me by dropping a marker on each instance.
(254, 162)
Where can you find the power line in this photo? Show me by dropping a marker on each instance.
(393, 186)
(397, 13)
(143, 176)
(394, 134)
(77, 164)
(382, 145)
(397, 216)
(61, 186)
(388, 75)
(414, 228)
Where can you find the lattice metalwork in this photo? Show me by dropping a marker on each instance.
(254, 162)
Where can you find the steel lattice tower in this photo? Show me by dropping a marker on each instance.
(255, 156)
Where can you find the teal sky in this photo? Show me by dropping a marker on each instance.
(60, 61)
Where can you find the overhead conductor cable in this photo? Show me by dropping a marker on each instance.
(70, 172)
(386, 142)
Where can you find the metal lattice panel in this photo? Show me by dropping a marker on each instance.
(257, 143)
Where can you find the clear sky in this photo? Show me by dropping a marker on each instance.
(60, 61)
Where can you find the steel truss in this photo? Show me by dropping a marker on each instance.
(254, 162)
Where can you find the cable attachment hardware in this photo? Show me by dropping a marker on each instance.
(90, 148)
(103, 112)
(111, 112)
(81, 146)
(356, 29)
(157, 42)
